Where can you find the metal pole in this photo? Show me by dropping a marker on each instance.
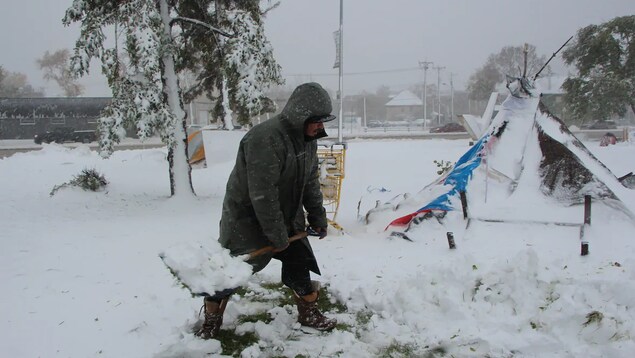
(439, 68)
(341, 68)
(425, 65)
(451, 97)
(365, 122)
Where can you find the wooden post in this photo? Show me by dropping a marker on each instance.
(587, 210)
(463, 204)
(584, 244)
(451, 240)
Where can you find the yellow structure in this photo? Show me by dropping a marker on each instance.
(331, 161)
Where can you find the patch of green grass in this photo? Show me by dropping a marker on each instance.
(399, 350)
(273, 286)
(241, 291)
(363, 317)
(233, 343)
(258, 317)
(327, 304)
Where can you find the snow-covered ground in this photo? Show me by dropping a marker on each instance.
(81, 274)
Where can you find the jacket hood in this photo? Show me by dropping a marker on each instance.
(307, 100)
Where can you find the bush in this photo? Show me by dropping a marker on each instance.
(444, 166)
(88, 179)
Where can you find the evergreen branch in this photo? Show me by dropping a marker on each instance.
(203, 24)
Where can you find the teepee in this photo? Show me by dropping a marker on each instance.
(526, 156)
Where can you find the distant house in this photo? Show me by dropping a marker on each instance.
(404, 106)
(199, 111)
(553, 96)
(22, 118)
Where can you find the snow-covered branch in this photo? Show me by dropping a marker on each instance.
(203, 24)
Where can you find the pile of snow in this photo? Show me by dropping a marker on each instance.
(81, 271)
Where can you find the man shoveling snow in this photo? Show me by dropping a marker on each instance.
(274, 180)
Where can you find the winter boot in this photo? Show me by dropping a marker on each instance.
(213, 318)
(308, 313)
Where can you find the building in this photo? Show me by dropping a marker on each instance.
(405, 106)
(22, 118)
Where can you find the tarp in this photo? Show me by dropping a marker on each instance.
(195, 147)
(457, 179)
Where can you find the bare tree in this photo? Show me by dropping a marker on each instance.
(14, 85)
(56, 67)
(509, 61)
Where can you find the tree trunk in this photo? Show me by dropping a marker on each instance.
(228, 123)
(179, 166)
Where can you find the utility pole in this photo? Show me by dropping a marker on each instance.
(365, 123)
(451, 97)
(439, 68)
(425, 65)
(341, 68)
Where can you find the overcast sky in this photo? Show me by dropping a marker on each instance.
(383, 40)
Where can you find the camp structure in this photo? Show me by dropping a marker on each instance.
(525, 158)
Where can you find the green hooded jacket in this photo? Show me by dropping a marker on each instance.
(275, 179)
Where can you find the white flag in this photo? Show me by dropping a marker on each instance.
(338, 53)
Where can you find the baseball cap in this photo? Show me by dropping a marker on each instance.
(321, 118)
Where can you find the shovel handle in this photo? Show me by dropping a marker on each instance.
(268, 249)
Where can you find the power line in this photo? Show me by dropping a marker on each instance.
(354, 73)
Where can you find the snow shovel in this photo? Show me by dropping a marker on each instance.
(268, 249)
(194, 280)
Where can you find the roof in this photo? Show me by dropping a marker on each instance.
(53, 107)
(405, 98)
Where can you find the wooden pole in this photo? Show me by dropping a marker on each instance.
(451, 242)
(463, 204)
(584, 244)
(269, 249)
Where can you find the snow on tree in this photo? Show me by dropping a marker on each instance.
(144, 82)
(249, 64)
(604, 56)
(242, 68)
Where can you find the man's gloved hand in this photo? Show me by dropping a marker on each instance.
(318, 231)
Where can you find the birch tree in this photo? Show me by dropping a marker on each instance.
(145, 87)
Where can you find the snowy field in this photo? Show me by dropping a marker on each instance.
(81, 274)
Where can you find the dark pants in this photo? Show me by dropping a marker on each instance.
(295, 271)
